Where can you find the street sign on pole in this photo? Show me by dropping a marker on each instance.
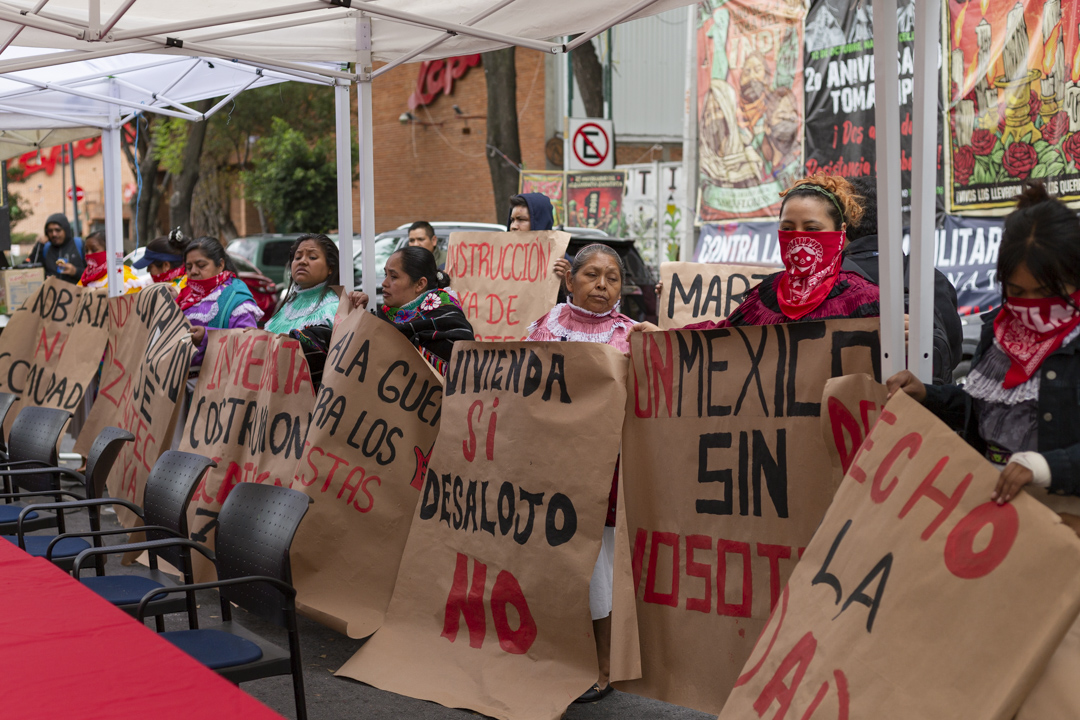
(592, 144)
(79, 194)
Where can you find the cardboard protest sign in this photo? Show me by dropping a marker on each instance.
(250, 413)
(142, 386)
(850, 407)
(491, 607)
(696, 292)
(374, 423)
(726, 480)
(52, 346)
(505, 279)
(919, 596)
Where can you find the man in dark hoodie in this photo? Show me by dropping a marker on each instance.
(861, 256)
(62, 255)
(533, 211)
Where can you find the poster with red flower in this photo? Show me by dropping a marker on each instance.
(1013, 110)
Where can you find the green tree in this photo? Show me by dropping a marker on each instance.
(293, 181)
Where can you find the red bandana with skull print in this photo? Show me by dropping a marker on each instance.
(811, 266)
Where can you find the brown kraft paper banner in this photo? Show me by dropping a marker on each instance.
(726, 480)
(52, 346)
(491, 607)
(375, 420)
(918, 597)
(504, 279)
(854, 404)
(141, 388)
(250, 413)
(696, 292)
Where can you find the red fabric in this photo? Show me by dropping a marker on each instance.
(197, 290)
(1030, 330)
(174, 274)
(811, 265)
(70, 654)
(95, 267)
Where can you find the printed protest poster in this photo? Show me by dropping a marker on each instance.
(726, 480)
(250, 413)
(142, 386)
(905, 603)
(696, 292)
(750, 106)
(594, 200)
(549, 184)
(505, 280)
(52, 346)
(491, 608)
(751, 243)
(1013, 101)
(374, 424)
(966, 251)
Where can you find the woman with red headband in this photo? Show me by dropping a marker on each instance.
(1019, 405)
(814, 216)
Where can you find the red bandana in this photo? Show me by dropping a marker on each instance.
(174, 274)
(95, 268)
(1030, 330)
(811, 265)
(197, 290)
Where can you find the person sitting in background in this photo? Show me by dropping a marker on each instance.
(62, 253)
(861, 256)
(594, 288)
(1018, 405)
(95, 275)
(416, 301)
(309, 309)
(214, 298)
(164, 257)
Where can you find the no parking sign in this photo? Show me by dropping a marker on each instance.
(592, 144)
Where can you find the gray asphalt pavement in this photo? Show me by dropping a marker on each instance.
(332, 698)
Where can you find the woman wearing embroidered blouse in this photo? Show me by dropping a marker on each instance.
(95, 274)
(594, 286)
(214, 298)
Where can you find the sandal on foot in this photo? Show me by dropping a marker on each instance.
(595, 693)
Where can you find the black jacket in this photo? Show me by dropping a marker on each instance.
(1059, 410)
(861, 256)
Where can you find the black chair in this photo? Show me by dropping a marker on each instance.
(6, 401)
(33, 465)
(168, 492)
(99, 462)
(255, 530)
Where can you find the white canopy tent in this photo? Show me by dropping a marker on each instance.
(284, 34)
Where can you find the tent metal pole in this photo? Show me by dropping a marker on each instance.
(61, 58)
(629, 12)
(15, 33)
(690, 141)
(114, 207)
(115, 18)
(56, 17)
(456, 28)
(75, 121)
(267, 27)
(281, 65)
(189, 115)
(890, 219)
(156, 96)
(217, 21)
(228, 98)
(364, 116)
(41, 23)
(923, 188)
(343, 141)
(431, 44)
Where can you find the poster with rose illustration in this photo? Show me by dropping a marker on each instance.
(750, 106)
(1013, 105)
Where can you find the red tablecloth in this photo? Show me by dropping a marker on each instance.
(69, 654)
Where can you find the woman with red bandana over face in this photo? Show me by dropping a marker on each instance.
(1019, 404)
(813, 219)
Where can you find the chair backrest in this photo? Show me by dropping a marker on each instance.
(34, 436)
(255, 530)
(169, 488)
(99, 461)
(6, 401)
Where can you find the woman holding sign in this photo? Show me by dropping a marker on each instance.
(1019, 405)
(214, 298)
(594, 286)
(814, 216)
(416, 299)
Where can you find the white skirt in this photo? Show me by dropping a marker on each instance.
(603, 577)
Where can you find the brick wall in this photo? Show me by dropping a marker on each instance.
(441, 172)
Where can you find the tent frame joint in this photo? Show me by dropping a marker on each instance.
(174, 42)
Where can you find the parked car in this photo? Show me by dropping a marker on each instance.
(269, 253)
(262, 288)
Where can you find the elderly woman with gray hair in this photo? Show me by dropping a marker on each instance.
(594, 286)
